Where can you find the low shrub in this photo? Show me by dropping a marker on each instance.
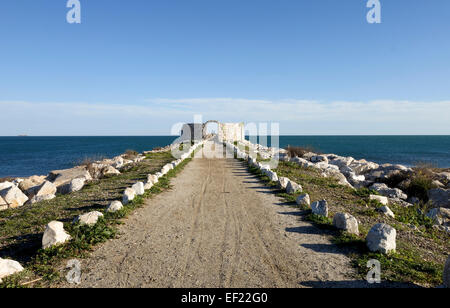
(130, 154)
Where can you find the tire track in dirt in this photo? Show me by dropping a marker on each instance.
(214, 228)
(266, 253)
(197, 223)
(236, 256)
(222, 272)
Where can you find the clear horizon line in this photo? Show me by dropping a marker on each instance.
(281, 135)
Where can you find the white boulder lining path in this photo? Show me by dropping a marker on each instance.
(381, 238)
(54, 235)
(214, 228)
(9, 267)
(36, 189)
(356, 174)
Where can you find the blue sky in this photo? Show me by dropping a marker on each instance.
(139, 66)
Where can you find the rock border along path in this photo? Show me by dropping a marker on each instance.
(382, 240)
(55, 235)
(218, 227)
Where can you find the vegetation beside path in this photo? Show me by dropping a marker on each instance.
(21, 229)
(421, 249)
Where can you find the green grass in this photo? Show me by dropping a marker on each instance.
(407, 265)
(412, 215)
(402, 266)
(321, 221)
(345, 239)
(43, 263)
(364, 192)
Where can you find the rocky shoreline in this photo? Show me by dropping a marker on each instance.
(35, 189)
(21, 191)
(356, 175)
(390, 181)
(17, 192)
(385, 184)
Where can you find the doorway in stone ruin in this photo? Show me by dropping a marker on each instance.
(212, 128)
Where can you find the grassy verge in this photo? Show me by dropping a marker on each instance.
(21, 230)
(421, 250)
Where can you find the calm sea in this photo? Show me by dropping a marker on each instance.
(25, 156)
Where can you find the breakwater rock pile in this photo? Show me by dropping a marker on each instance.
(384, 183)
(31, 190)
(34, 189)
(391, 183)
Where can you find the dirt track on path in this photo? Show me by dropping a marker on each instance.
(218, 227)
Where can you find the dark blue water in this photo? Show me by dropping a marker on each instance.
(405, 150)
(25, 156)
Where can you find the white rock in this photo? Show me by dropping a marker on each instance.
(29, 185)
(383, 200)
(302, 162)
(114, 206)
(54, 234)
(127, 162)
(13, 196)
(61, 177)
(322, 165)
(436, 183)
(73, 186)
(128, 195)
(37, 199)
(319, 158)
(110, 170)
(264, 166)
(272, 176)
(341, 161)
(151, 178)
(9, 267)
(387, 211)
(353, 178)
(166, 168)
(47, 188)
(293, 188)
(139, 188)
(342, 180)
(309, 155)
(97, 170)
(384, 190)
(345, 170)
(332, 167)
(303, 200)
(6, 184)
(118, 162)
(320, 208)
(363, 166)
(381, 238)
(347, 222)
(89, 219)
(148, 185)
(283, 182)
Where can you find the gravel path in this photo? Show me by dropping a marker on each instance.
(218, 227)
